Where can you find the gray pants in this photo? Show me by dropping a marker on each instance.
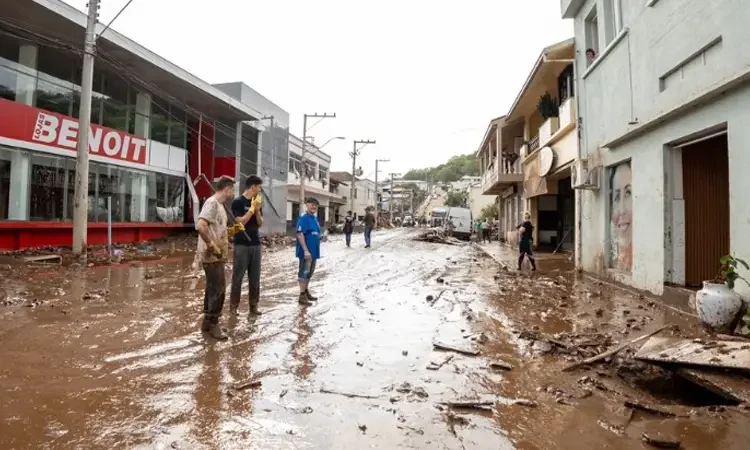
(213, 301)
(246, 260)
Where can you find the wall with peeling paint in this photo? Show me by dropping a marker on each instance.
(679, 69)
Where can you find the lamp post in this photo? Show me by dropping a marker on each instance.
(303, 167)
(354, 154)
(377, 189)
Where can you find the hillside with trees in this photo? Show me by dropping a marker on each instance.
(453, 170)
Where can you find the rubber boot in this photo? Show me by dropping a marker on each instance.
(215, 331)
(206, 325)
(303, 300)
(254, 311)
(310, 296)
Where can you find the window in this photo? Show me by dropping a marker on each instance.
(5, 162)
(116, 99)
(566, 84)
(177, 127)
(294, 163)
(612, 20)
(160, 121)
(322, 173)
(47, 191)
(310, 170)
(592, 35)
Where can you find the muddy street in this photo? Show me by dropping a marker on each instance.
(412, 345)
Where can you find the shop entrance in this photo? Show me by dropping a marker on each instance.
(566, 209)
(705, 186)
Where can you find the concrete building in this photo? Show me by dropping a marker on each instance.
(499, 157)
(159, 134)
(477, 201)
(317, 173)
(365, 193)
(664, 112)
(550, 145)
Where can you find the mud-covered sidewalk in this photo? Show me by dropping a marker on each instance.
(111, 357)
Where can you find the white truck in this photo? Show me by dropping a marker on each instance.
(460, 221)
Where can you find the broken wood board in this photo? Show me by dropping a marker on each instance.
(44, 258)
(453, 348)
(731, 386)
(723, 354)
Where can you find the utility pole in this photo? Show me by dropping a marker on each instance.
(390, 202)
(81, 193)
(377, 188)
(354, 154)
(303, 168)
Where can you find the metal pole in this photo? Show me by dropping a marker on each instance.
(377, 202)
(273, 161)
(302, 167)
(81, 193)
(354, 177)
(109, 224)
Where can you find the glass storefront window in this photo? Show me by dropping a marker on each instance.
(160, 120)
(116, 101)
(177, 128)
(5, 162)
(53, 94)
(47, 191)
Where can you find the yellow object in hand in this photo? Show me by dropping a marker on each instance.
(234, 229)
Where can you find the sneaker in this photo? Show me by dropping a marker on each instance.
(303, 300)
(311, 297)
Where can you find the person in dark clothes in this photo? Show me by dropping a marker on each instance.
(369, 225)
(348, 228)
(525, 231)
(247, 211)
(308, 249)
(212, 252)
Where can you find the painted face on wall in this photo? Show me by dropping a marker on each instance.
(621, 217)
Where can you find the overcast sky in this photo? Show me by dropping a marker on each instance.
(422, 77)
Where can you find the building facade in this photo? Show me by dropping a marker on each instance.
(317, 174)
(159, 135)
(664, 104)
(476, 201)
(545, 109)
(501, 172)
(364, 193)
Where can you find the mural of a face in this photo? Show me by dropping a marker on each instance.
(621, 217)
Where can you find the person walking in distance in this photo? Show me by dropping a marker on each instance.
(525, 232)
(308, 249)
(369, 225)
(212, 252)
(348, 228)
(247, 211)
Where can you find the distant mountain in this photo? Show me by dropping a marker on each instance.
(453, 170)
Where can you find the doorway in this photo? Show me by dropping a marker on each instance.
(705, 186)
(566, 208)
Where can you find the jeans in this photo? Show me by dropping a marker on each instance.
(368, 233)
(524, 249)
(348, 239)
(246, 260)
(216, 286)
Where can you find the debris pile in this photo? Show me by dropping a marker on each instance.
(438, 236)
(277, 240)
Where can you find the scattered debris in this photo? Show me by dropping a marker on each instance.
(484, 405)
(725, 354)
(632, 404)
(451, 348)
(524, 402)
(283, 393)
(405, 352)
(350, 395)
(434, 300)
(437, 366)
(733, 387)
(611, 352)
(247, 385)
(56, 259)
(500, 365)
(362, 428)
(660, 441)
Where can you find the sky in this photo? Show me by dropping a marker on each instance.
(423, 78)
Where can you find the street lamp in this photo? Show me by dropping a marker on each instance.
(337, 138)
(303, 163)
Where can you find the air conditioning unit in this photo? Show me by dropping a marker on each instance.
(583, 177)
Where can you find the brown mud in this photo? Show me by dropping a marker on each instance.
(111, 356)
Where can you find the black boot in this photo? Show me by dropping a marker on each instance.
(211, 328)
(254, 311)
(206, 325)
(310, 296)
(303, 300)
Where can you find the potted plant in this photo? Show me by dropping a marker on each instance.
(548, 106)
(717, 303)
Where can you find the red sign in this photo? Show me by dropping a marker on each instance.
(25, 123)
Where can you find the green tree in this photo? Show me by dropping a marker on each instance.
(453, 170)
(455, 199)
(489, 212)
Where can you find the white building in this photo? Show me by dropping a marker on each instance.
(464, 183)
(477, 201)
(364, 193)
(664, 108)
(317, 180)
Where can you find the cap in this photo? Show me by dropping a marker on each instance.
(312, 200)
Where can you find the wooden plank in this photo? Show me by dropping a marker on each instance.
(43, 258)
(728, 385)
(723, 354)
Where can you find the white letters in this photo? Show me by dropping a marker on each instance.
(139, 145)
(125, 147)
(95, 140)
(68, 134)
(45, 129)
(112, 143)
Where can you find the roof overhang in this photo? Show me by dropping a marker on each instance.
(570, 8)
(67, 24)
(548, 65)
(494, 123)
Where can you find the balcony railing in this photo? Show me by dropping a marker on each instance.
(534, 144)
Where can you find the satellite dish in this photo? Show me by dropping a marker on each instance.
(546, 159)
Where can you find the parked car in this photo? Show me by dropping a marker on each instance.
(408, 221)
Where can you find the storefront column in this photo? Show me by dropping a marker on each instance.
(139, 200)
(143, 115)
(239, 185)
(18, 208)
(26, 78)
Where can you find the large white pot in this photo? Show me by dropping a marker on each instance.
(717, 305)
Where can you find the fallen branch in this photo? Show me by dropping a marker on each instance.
(470, 404)
(437, 366)
(247, 384)
(350, 395)
(649, 409)
(450, 348)
(613, 351)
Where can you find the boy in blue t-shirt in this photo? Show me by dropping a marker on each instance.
(308, 248)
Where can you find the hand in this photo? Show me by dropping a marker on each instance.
(308, 256)
(257, 201)
(214, 249)
(234, 229)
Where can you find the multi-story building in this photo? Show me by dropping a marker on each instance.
(664, 110)
(159, 135)
(476, 201)
(317, 178)
(545, 109)
(364, 193)
(499, 157)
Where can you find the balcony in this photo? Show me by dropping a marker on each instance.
(568, 113)
(495, 179)
(554, 128)
(547, 130)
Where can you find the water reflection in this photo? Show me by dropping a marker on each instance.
(205, 424)
(303, 363)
